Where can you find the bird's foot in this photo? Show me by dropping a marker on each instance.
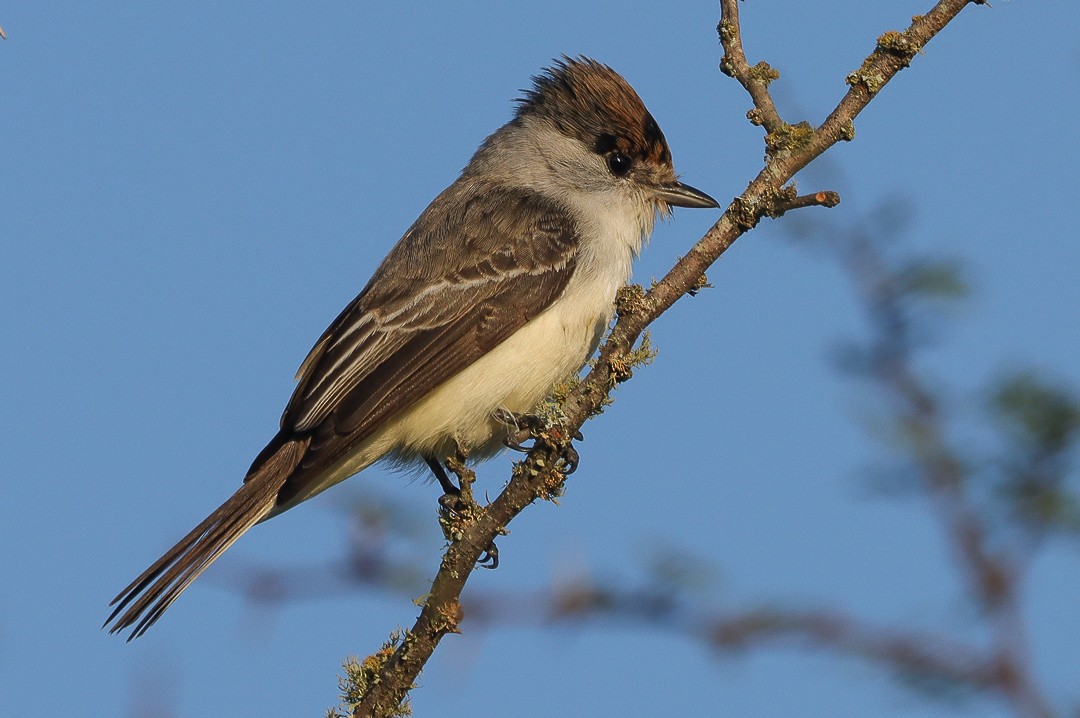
(519, 428)
(525, 427)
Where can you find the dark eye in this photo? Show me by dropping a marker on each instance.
(619, 164)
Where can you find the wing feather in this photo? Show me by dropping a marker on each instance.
(457, 284)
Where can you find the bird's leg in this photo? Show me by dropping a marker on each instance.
(449, 487)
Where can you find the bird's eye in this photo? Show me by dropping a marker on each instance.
(619, 164)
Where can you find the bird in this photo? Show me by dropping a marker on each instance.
(502, 288)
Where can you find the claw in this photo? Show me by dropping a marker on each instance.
(450, 503)
(490, 556)
(530, 422)
(570, 459)
(518, 428)
(524, 426)
(509, 443)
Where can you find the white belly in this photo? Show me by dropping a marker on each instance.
(519, 373)
(516, 376)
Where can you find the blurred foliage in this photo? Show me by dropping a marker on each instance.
(931, 279)
(1040, 423)
(1044, 418)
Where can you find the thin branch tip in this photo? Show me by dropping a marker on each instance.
(789, 201)
(755, 80)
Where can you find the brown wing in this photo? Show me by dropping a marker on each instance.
(473, 269)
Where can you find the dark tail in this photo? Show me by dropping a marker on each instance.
(147, 597)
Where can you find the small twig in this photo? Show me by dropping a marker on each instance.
(824, 198)
(466, 476)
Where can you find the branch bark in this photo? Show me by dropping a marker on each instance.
(789, 148)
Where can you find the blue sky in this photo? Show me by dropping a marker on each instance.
(190, 192)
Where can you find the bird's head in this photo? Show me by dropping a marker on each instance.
(614, 142)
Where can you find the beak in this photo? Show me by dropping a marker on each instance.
(683, 195)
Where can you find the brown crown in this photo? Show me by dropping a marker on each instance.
(588, 100)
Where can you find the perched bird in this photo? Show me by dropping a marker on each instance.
(502, 288)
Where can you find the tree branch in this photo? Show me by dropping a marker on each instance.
(789, 148)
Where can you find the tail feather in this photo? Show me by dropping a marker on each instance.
(145, 599)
